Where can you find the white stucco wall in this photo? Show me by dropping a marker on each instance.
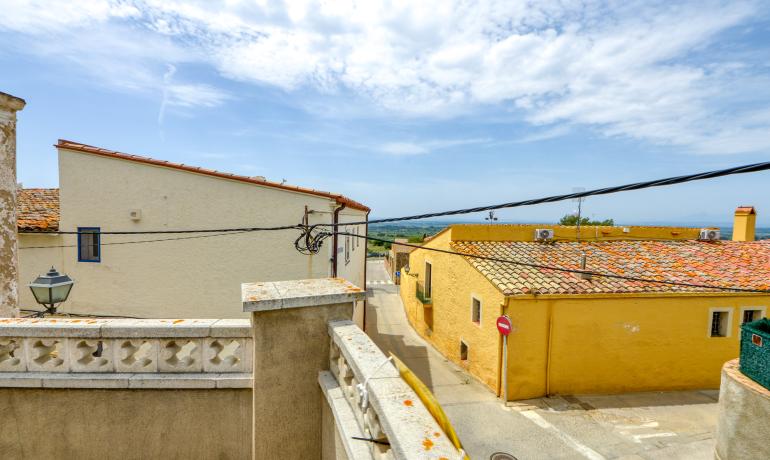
(191, 278)
(353, 269)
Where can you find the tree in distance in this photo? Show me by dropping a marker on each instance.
(572, 220)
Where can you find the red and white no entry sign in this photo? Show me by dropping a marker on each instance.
(504, 324)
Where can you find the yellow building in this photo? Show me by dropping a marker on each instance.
(577, 334)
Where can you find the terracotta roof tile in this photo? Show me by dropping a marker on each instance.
(38, 209)
(78, 147)
(719, 263)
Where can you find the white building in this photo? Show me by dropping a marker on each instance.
(174, 275)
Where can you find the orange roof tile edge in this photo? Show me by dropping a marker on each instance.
(78, 147)
(37, 210)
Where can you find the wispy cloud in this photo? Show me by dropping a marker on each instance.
(543, 135)
(420, 148)
(653, 71)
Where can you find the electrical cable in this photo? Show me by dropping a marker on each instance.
(78, 315)
(756, 167)
(139, 241)
(162, 232)
(563, 269)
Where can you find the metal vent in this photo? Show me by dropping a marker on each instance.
(502, 456)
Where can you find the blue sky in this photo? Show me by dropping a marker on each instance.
(410, 107)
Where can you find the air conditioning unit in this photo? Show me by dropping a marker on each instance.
(543, 234)
(709, 234)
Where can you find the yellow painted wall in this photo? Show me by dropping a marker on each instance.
(622, 344)
(450, 312)
(526, 232)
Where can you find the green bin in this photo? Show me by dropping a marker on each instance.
(755, 351)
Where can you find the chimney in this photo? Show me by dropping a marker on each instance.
(744, 223)
(9, 273)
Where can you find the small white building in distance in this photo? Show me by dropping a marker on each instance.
(195, 275)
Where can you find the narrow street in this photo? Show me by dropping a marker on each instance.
(673, 425)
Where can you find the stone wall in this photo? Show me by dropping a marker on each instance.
(9, 276)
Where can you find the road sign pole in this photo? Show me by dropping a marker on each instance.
(505, 369)
(504, 326)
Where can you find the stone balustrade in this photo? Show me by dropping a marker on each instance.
(125, 353)
(390, 412)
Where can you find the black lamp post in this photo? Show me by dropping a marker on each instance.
(51, 289)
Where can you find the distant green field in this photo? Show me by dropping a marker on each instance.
(413, 232)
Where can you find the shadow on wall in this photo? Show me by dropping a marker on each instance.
(414, 356)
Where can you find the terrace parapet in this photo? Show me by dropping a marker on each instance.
(389, 411)
(125, 353)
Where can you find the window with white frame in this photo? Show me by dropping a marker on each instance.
(720, 320)
(749, 314)
(476, 310)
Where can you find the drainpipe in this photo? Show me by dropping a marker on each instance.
(366, 246)
(335, 221)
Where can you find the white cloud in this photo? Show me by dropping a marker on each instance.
(645, 70)
(419, 148)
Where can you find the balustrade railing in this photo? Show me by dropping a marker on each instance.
(373, 402)
(182, 351)
(421, 293)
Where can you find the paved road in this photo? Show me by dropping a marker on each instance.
(672, 425)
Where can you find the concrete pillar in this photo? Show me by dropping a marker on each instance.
(9, 272)
(743, 427)
(291, 346)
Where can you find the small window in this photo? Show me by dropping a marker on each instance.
(720, 323)
(476, 310)
(750, 315)
(463, 351)
(428, 280)
(89, 248)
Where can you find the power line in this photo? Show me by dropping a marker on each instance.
(162, 232)
(138, 241)
(562, 269)
(756, 167)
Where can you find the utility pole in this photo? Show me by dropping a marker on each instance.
(579, 208)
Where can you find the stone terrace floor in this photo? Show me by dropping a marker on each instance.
(671, 425)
